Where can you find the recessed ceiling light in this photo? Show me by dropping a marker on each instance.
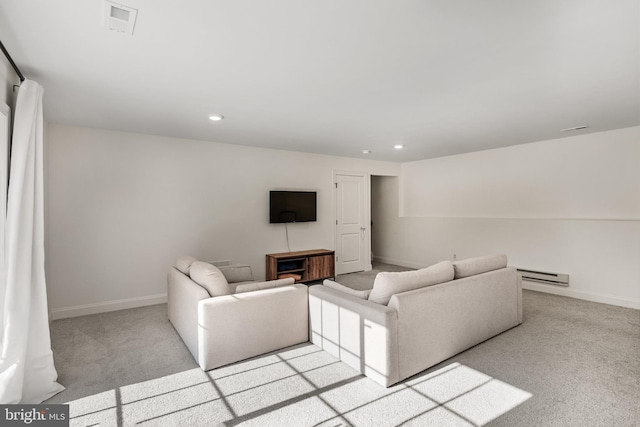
(216, 117)
(574, 128)
(366, 151)
(398, 146)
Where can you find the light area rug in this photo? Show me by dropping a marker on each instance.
(300, 386)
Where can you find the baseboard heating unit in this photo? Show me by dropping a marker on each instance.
(544, 277)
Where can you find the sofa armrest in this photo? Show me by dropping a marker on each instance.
(439, 321)
(361, 333)
(182, 300)
(239, 326)
(258, 286)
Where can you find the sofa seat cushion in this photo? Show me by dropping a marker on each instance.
(183, 264)
(387, 284)
(258, 286)
(342, 288)
(478, 265)
(210, 278)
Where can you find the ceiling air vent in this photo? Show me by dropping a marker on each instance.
(120, 18)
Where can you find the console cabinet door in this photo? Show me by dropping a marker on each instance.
(320, 267)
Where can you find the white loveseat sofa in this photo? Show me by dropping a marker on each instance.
(413, 320)
(224, 316)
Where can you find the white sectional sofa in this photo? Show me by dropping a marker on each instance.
(224, 316)
(413, 320)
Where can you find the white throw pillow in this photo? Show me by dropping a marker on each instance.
(184, 263)
(210, 278)
(347, 290)
(387, 284)
(478, 265)
(258, 286)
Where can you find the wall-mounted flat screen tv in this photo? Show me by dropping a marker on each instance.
(292, 206)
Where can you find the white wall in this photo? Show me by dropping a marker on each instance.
(594, 176)
(569, 205)
(123, 207)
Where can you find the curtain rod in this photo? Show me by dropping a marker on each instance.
(13, 64)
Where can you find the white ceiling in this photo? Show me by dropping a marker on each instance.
(333, 76)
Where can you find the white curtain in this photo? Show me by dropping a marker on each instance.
(27, 373)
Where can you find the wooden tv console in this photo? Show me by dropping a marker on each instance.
(312, 265)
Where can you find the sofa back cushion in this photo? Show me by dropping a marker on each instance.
(183, 264)
(210, 278)
(478, 265)
(237, 273)
(387, 284)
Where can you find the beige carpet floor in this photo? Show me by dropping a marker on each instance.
(571, 363)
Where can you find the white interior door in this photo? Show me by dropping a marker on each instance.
(352, 233)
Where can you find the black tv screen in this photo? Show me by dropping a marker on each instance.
(292, 206)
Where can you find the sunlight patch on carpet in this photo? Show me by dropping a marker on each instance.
(302, 386)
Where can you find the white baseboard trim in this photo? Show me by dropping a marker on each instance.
(584, 295)
(399, 262)
(103, 307)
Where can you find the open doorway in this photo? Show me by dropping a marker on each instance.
(384, 217)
